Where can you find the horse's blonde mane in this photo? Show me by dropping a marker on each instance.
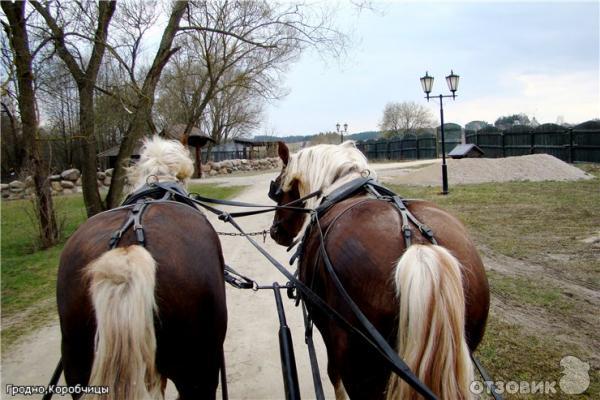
(167, 160)
(324, 167)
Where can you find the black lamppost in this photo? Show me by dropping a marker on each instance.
(427, 83)
(341, 133)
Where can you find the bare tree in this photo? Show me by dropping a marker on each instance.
(16, 30)
(141, 119)
(85, 22)
(401, 118)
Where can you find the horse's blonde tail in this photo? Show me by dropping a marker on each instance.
(431, 331)
(122, 289)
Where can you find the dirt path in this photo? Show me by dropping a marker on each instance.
(578, 329)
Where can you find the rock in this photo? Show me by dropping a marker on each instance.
(206, 168)
(216, 165)
(16, 185)
(70, 174)
(5, 195)
(67, 184)
(107, 181)
(236, 163)
(55, 178)
(213, 172)
(109, 171)
(4, 186)
(56, 186)
(223, 171)
(29, 191)
(244, 161)
(100, 175)
(100, 183)
(68, 191)
(29, 181)
(226, 164)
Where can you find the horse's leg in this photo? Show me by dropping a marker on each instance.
(338, 385)
(77, 359)
(189, 354)
(336, 344)
(196, 375)
(78, 327)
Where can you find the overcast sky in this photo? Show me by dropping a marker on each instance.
(537, 58)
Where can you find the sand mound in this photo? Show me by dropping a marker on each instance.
(535, 167)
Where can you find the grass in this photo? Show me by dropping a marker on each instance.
(542, 223)
(29, 275)
(510, 354)
(536, 294)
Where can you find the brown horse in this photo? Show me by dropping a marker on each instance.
(429, 301)
(133, 316)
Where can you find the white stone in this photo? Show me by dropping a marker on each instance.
(16, 185)
(70, 174)
(56, 186)
(67, 184)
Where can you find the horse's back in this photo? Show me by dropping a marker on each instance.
(365, 242)
(191, 321)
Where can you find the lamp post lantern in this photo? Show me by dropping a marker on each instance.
(340, 132)
(427, 84)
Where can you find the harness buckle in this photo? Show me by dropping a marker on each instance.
(425, 230)
(139, 233)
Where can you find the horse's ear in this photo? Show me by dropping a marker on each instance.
(284, 152)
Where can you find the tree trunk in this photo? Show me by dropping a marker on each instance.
(142, 118)
(86, 80)
(17, 33)
(87, 146)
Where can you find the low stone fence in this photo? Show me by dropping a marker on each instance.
(212, 168)
(69, 181)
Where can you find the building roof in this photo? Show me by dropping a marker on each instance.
(195, 138)
(114, 151)
(463, 150)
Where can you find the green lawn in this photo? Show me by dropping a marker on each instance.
(29, 275)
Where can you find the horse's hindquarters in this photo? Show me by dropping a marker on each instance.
(364, 242)
(191, 316)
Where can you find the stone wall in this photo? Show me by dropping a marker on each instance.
(212, 168)
(69, 181)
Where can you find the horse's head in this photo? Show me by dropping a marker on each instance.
(318, 168)
(165, 160)
(286, 223)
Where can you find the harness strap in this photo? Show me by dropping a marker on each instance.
(238, 280)
(312, 354)
(487, 380)
(341, 193)
(134, 219)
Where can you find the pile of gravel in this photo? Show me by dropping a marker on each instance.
(535, 167)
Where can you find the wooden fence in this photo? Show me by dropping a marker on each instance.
(578, 144)
(409, 147)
